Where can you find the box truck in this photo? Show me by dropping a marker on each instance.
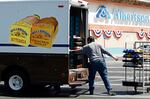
(36, 40)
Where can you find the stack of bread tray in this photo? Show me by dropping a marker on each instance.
(78, 42)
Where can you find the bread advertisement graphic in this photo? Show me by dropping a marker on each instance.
(20, 31)
(43, 33)
(34, 31)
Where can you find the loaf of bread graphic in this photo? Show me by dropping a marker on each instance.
(20, 30)
(49, 21)
(29, 20)
(44, 32)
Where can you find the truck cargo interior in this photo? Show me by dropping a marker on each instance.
(77, 39)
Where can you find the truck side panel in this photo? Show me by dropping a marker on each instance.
(41, 69)
(12, 12)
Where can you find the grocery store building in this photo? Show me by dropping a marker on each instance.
(117, 24)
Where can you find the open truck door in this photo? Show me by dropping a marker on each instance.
(78, 71)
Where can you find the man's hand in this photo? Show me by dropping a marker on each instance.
(75, 50)
(115, 58)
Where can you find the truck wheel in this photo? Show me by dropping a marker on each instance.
(16, 81)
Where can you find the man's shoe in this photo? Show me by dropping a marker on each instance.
(110, 93)
(91, 92)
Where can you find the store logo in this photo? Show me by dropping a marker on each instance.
(102, 12)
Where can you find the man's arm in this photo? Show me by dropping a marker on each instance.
(77, 50)
(116, 59)
(106, 52)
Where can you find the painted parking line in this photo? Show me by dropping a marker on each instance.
(118, 96)
(116, 77)
(101, 83)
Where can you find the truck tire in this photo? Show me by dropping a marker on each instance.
(16, 82)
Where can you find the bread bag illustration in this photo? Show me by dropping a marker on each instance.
(20, 31)
(44, 32)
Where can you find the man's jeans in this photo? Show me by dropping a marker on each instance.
(102, 70)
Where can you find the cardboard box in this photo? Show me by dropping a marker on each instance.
(72, 76)
(82, 73)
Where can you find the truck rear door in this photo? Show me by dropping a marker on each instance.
(78, 72)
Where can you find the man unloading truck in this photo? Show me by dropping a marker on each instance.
(94, 52)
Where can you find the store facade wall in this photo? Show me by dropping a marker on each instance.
(116, 25)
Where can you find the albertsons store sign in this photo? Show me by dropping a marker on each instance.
(122, 15)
